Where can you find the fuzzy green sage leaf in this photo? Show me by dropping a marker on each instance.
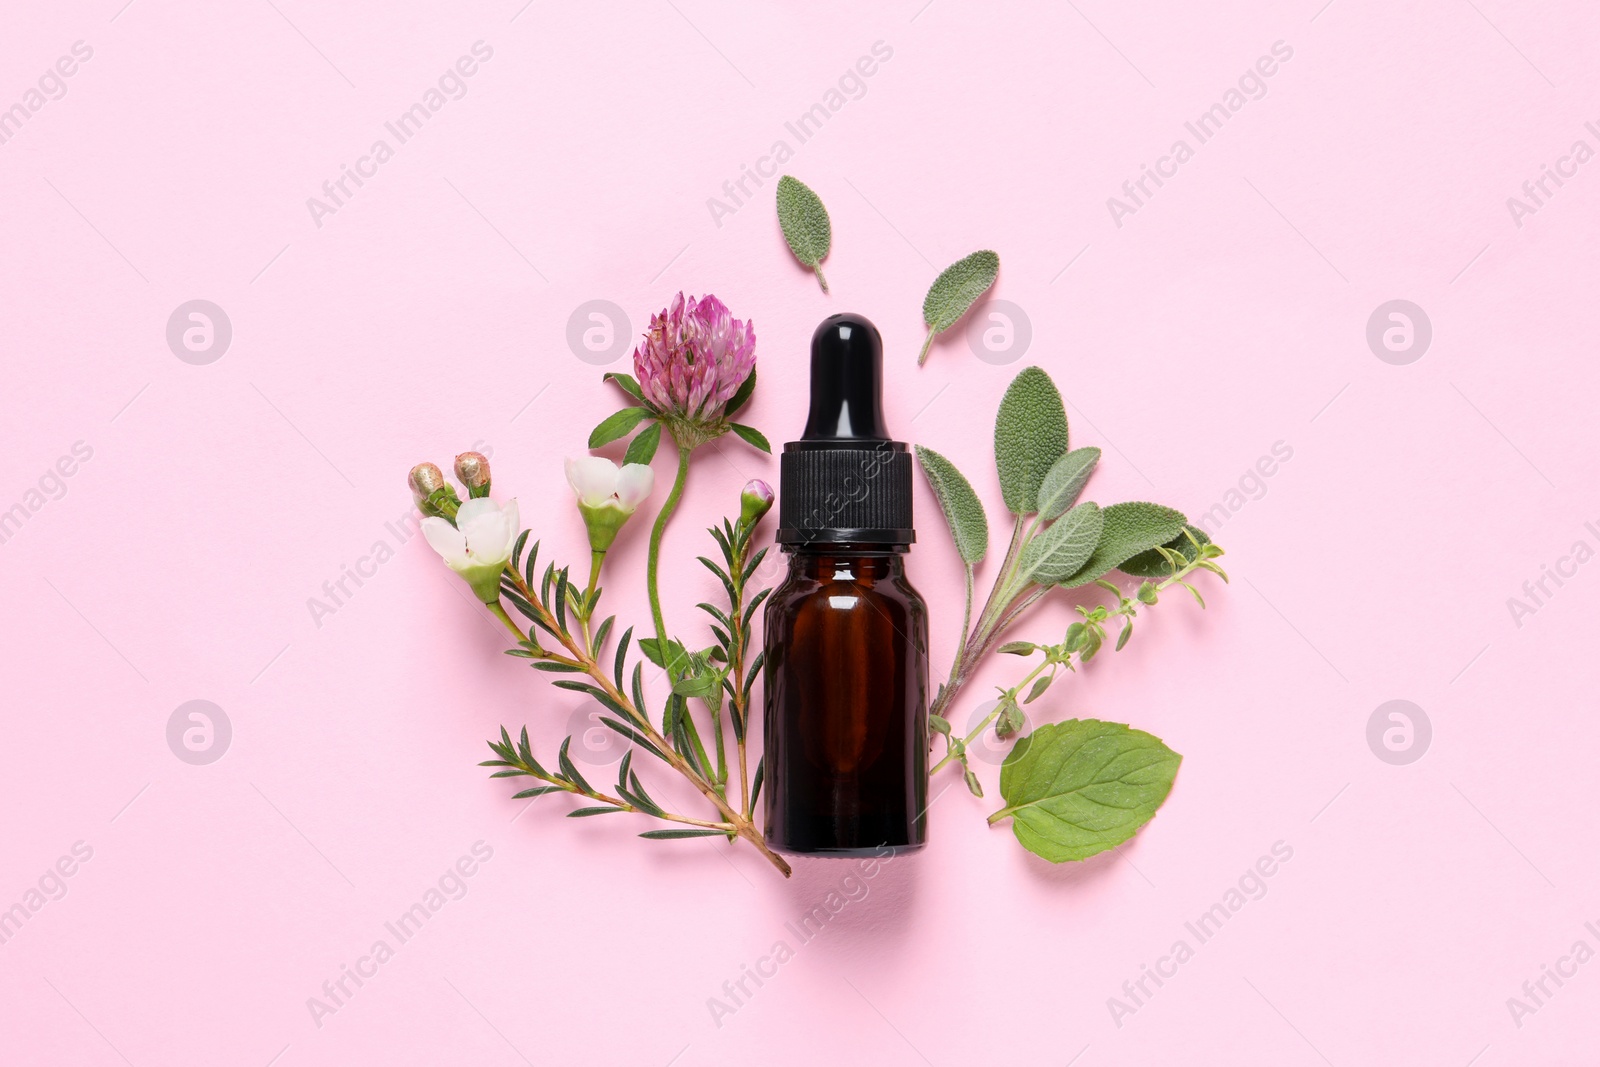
(1063, 547)
(969, 526)
(1030, 435)
(805, 224)
(1130, 528)
(1153, 564)
(1064, 481)
(954, 292)
(1076, 788)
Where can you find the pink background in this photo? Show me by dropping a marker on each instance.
(429, 315)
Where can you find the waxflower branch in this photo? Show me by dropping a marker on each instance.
(696, 367)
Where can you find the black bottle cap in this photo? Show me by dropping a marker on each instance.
(845, 480)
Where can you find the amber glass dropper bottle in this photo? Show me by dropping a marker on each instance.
(846, 634)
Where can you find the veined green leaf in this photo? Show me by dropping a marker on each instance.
(642, 449)
(751, 435)
(617, 426)
(1063, 547)
(1130, 528)
(1065, 480)
(1077, 788)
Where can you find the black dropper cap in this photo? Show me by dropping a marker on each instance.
(844, 480)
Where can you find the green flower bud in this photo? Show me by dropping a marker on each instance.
(755, 501)
(433, 495)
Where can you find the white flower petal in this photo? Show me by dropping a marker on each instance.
(513, 517)
(488, 537)
(593, 478)
(470, 510)
(446, 540)
(634, 483)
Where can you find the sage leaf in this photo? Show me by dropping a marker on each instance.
(805, 224)
(617, 426)
(1063, 547)
(1152, 564)
(954, 292)
(1130, 528)
(642, 449)
(1076, 788)
(1065, 480)
(1030, 434)
(969, 526)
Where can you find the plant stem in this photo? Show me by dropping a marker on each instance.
(653, 562)
(500, 613)
(987, 719)
(597, 560)
(961, 643)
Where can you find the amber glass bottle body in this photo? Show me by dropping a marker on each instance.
(846, 704)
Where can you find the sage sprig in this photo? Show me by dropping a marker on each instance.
(1057, 542)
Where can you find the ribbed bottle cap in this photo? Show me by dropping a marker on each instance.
(845, 480)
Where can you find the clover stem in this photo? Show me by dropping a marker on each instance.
(653, 562)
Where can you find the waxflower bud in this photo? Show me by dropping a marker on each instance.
(755, 501)
(472, 471)
(433, 495)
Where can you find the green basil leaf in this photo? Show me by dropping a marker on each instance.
(1130, 528)
(805, 224)
(1030, 435)
(969, 526)
(1076, 788)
